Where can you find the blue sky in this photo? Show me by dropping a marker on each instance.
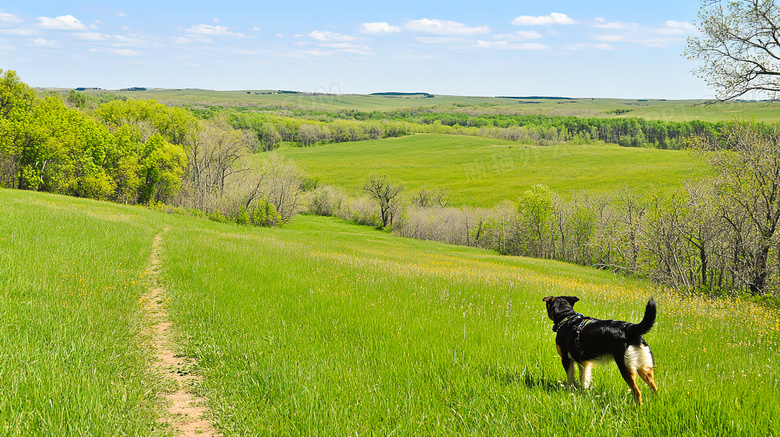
(487, 48)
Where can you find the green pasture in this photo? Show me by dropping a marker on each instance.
(331, 99)
(326, 328)
(767, 112)
(482, 172)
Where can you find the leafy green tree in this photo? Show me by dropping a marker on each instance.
(148, 117)
(536, 217)
(16, 103)
(265, 214)
(16, 97)
(77, 99)
(161, 169)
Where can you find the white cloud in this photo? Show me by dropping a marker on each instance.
(117, 52)
(443, 40)
(670, 34)
(209, 30)
(124, 52)
(352, 48)
(326, 36)
(40, 42)
(131, 40)
(543, 20)
(522, 35)
(618, 26)
(206, 31)
(587, 46)
(64, 22)
(611, 38)
(19, 32)
(378, 28)
(92, 36)
(9, 18)
(440, 27)
(677, 28)
(507, 45)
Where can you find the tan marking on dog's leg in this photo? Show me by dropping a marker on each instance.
(560, 352)
(648, 376)
(630, 379)
(570, 374)
(586, 374)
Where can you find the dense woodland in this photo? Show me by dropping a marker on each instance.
(717, 236)
(307, 127)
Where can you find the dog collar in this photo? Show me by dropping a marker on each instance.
(566, 319)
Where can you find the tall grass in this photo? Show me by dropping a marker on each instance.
(325, 328)
(331, 329)
(70, 278)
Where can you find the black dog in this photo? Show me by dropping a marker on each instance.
(585, 340)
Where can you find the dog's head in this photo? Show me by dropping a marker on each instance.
(559, 305)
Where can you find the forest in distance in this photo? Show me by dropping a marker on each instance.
(711, 235)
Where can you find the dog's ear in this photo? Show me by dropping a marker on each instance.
(548, 299)
(572, 300)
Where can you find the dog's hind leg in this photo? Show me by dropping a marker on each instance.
(629, 375)
(641, 359)
(648, 375)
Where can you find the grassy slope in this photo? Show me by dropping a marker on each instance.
(482, 171)
(326, 328)
(70, 280)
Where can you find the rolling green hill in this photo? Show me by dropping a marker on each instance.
(482, 172)
(327, 328)
(330, 100)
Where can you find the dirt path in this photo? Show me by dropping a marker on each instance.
(186, 410)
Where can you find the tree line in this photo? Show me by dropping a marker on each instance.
(305, 128)
(140, 152)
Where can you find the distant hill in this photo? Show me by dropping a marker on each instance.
(535, 98)
(397, 94)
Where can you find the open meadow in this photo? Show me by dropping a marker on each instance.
(327, 328)
(332, 100)
(471, 168)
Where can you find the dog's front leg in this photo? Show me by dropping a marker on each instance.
(568, 365)
(586, 372)
(570, 373)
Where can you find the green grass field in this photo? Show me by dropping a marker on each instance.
(331, 99)
(70, 279)
(326, 328)
(482, 172)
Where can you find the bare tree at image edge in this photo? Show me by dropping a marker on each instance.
(738, 47)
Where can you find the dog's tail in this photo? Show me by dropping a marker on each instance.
(641, 328)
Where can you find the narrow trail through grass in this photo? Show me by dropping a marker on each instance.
(186, 411)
